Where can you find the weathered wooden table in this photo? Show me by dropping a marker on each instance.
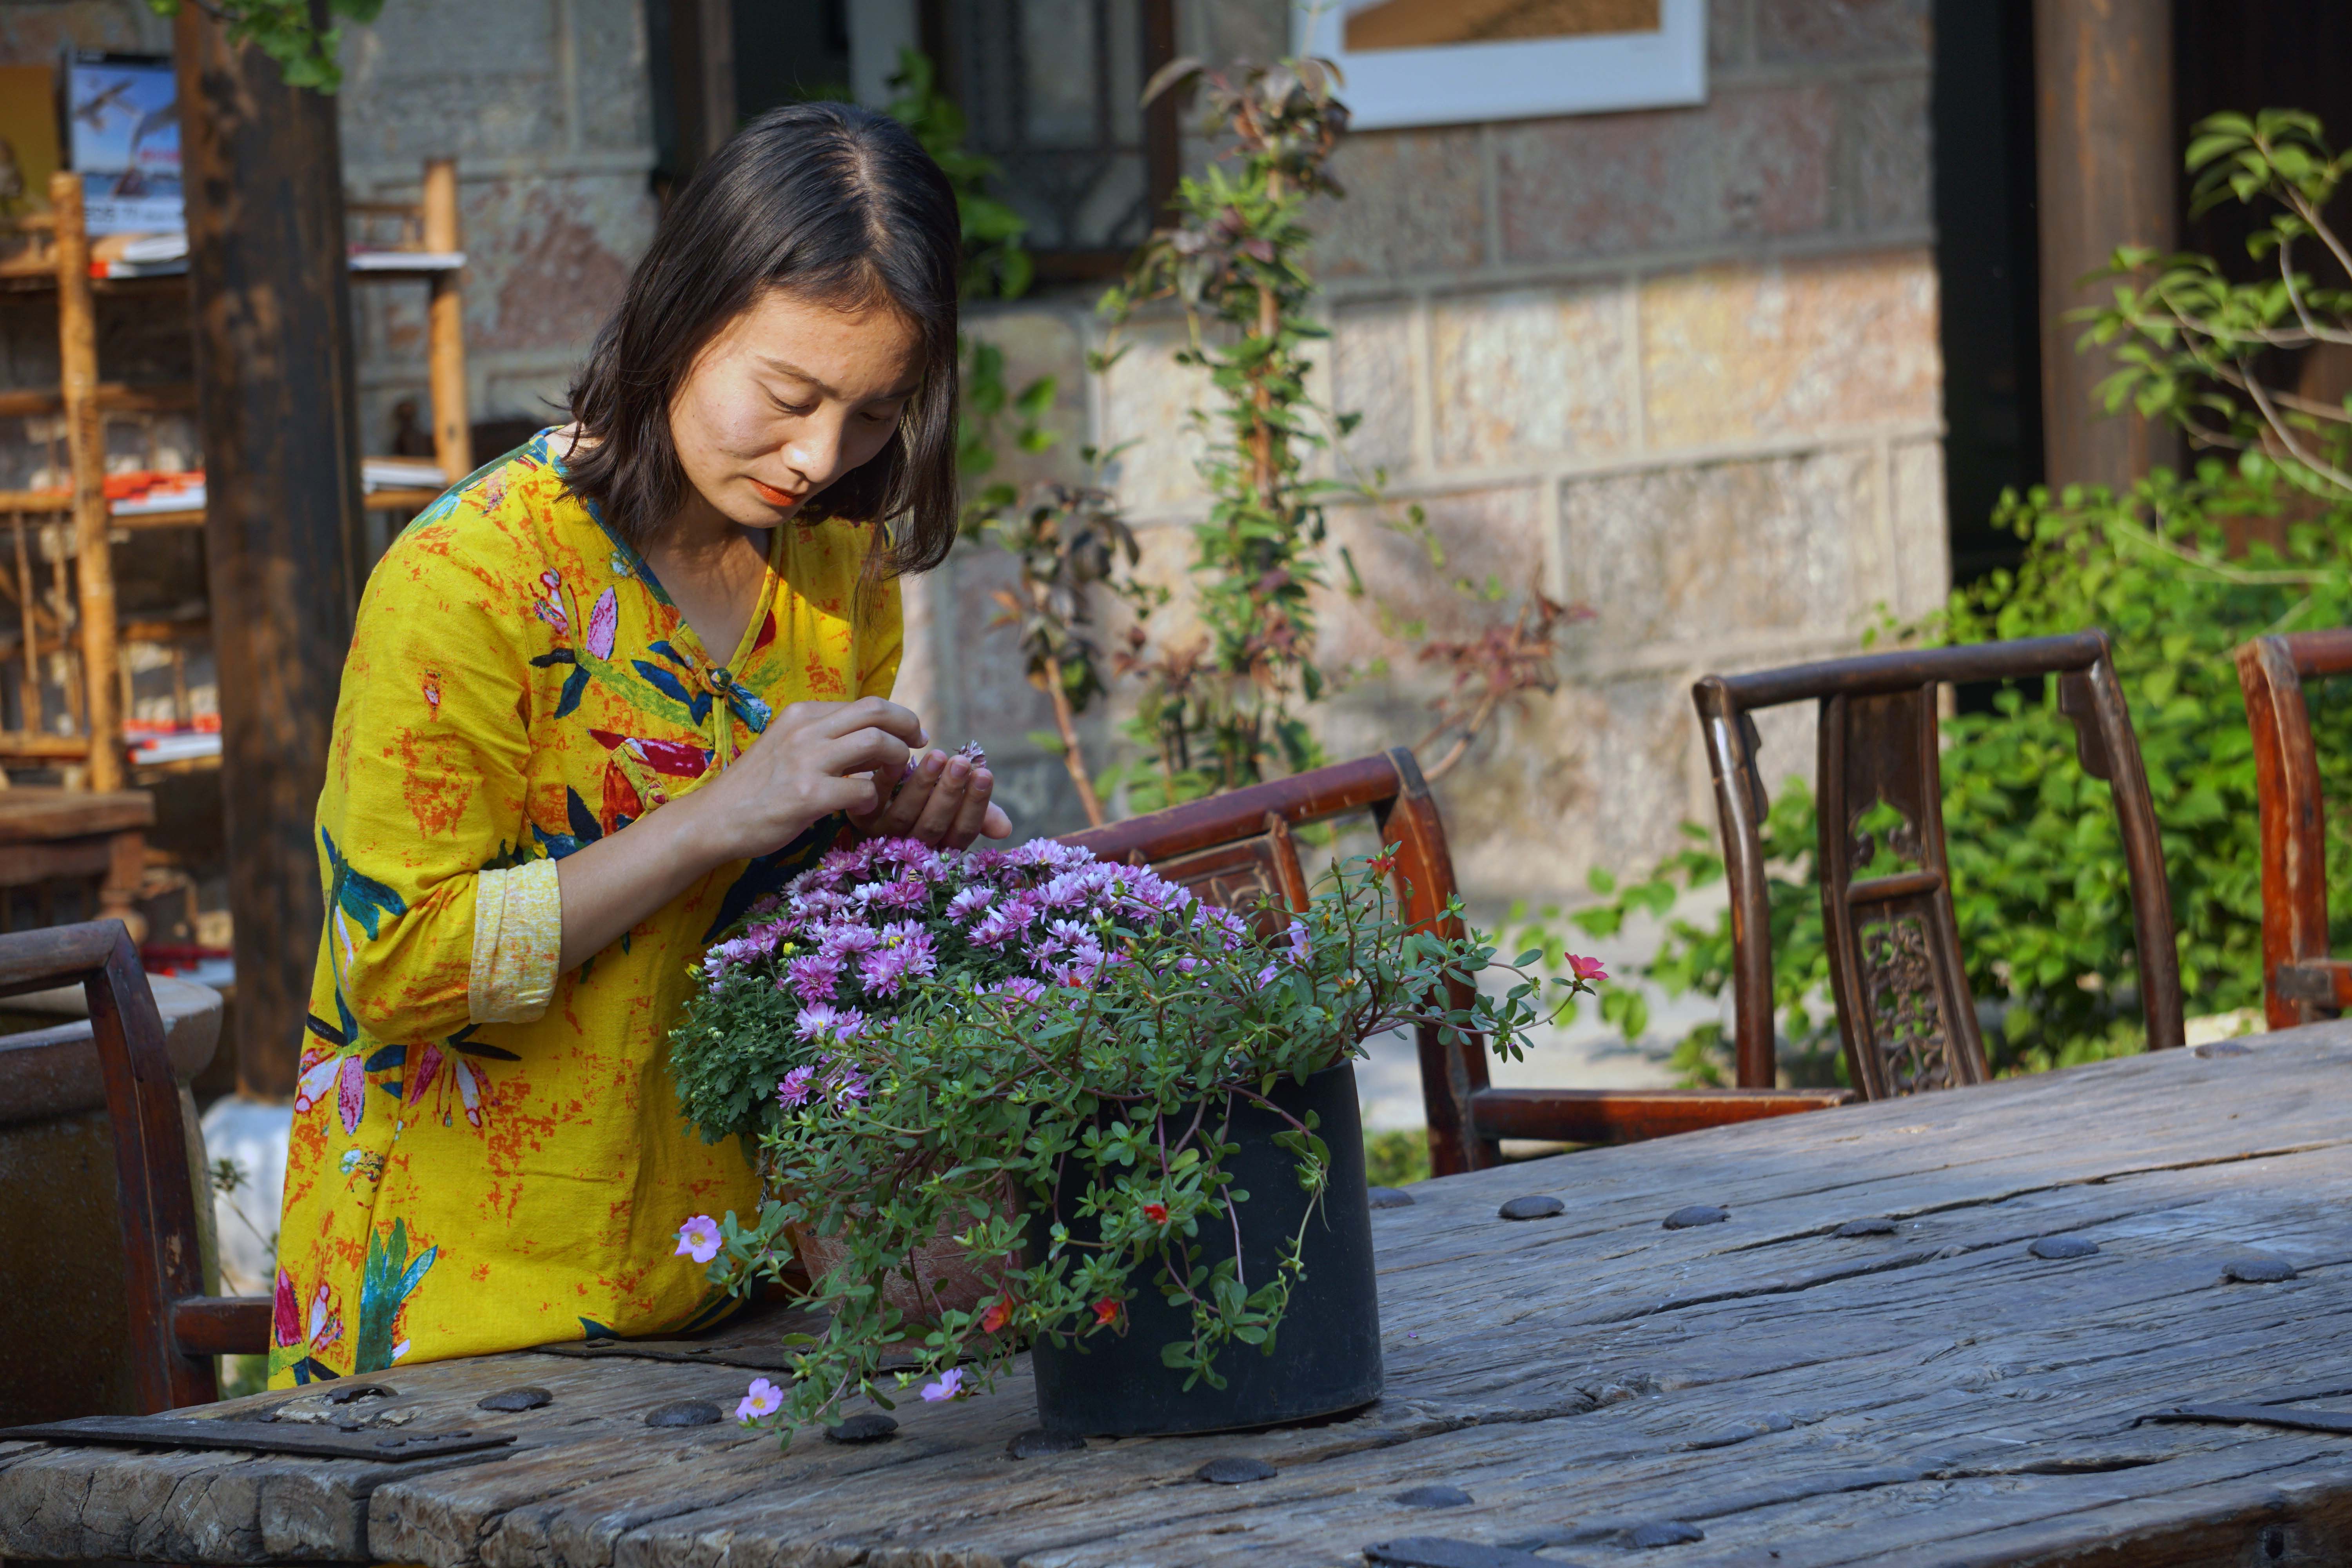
(1762, 1390)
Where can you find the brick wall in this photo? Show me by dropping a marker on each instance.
(1679, 365)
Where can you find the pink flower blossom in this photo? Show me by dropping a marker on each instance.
(604, 620)
(848, 939)
(950, 1386)
(904, 894)
(844, 1082)
(797, 1088)
(813, 977)
(763, 1398)
(1001, 925)
(698, 1238)
(351, 1093)
(824, 1021)
(1586, 969)
(904, 953)
(970, 902)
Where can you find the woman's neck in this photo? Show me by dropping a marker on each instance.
(713, 568)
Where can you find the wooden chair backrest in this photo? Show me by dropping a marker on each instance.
(175, 1328)
(1896, 971)
(2300, 984)
(1236, 850)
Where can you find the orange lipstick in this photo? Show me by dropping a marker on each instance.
(782, 501)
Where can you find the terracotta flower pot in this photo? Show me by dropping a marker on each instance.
(946, 1278)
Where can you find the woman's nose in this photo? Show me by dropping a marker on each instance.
(814, 453)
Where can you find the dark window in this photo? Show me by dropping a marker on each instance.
(1051, 89)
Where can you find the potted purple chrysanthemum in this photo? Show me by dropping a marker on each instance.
(999, 1097)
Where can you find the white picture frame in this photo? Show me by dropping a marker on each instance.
(1453, 84)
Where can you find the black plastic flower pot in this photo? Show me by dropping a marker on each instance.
(1325, 1356)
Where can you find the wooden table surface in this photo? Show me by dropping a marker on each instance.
(1791, 1397)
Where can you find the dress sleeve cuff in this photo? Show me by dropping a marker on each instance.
(517, 941)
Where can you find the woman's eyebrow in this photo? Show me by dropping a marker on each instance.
(784, 367)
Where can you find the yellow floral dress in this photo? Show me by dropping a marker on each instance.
(487, 1154)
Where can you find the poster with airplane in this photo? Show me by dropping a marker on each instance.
(122, 131)
(1441, 62)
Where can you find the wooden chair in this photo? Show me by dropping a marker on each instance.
(2301, 985)
(1895, 967)
(1236, 849)
(175, 1328)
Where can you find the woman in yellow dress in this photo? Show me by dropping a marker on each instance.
(608, 692)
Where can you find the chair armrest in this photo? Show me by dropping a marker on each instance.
(1632, 1115)
(222, 1325)
(2326, 981)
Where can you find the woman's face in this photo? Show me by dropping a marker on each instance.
(788, 397)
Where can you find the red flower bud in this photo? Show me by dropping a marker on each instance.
(1105, 1311)
(1156, 1213)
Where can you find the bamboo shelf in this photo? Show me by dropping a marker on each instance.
(52, 252)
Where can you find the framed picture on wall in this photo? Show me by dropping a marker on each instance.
(123, 130)
(1443, 62)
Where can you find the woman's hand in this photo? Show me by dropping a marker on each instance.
(944, 802)
(815, 758)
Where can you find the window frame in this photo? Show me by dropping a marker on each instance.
(1162, 138)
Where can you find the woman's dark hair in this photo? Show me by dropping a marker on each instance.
(837, 203)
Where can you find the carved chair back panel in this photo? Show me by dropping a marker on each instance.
(1903, 1009)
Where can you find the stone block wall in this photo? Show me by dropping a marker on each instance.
(1678, 365)
(547, 107)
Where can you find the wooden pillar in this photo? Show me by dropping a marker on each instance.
(2106, 164)
(702, 76)
(85, 454)
(263, 175)
(453, 440)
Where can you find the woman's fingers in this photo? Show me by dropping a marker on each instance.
(901, 811)
(996, 825)
(867, 750)
(950, 799)
(972, 810)
(844, 719)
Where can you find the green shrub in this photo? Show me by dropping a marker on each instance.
(2040, 887)
(1396, 1157)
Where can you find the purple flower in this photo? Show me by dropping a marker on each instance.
(815, 977)
(763, 1398)
(1003, 924)
(1224, 920)
(905, 953)
(727, 955)
(844, 1082)
(1300, 949)
(970, 902)
(906, 894)
(1020, 987)
(911, 853)
(797, 1086)
(848, 939)
(950, 1386)
(825, 1021)
(1266, 976)
(698, 1238)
